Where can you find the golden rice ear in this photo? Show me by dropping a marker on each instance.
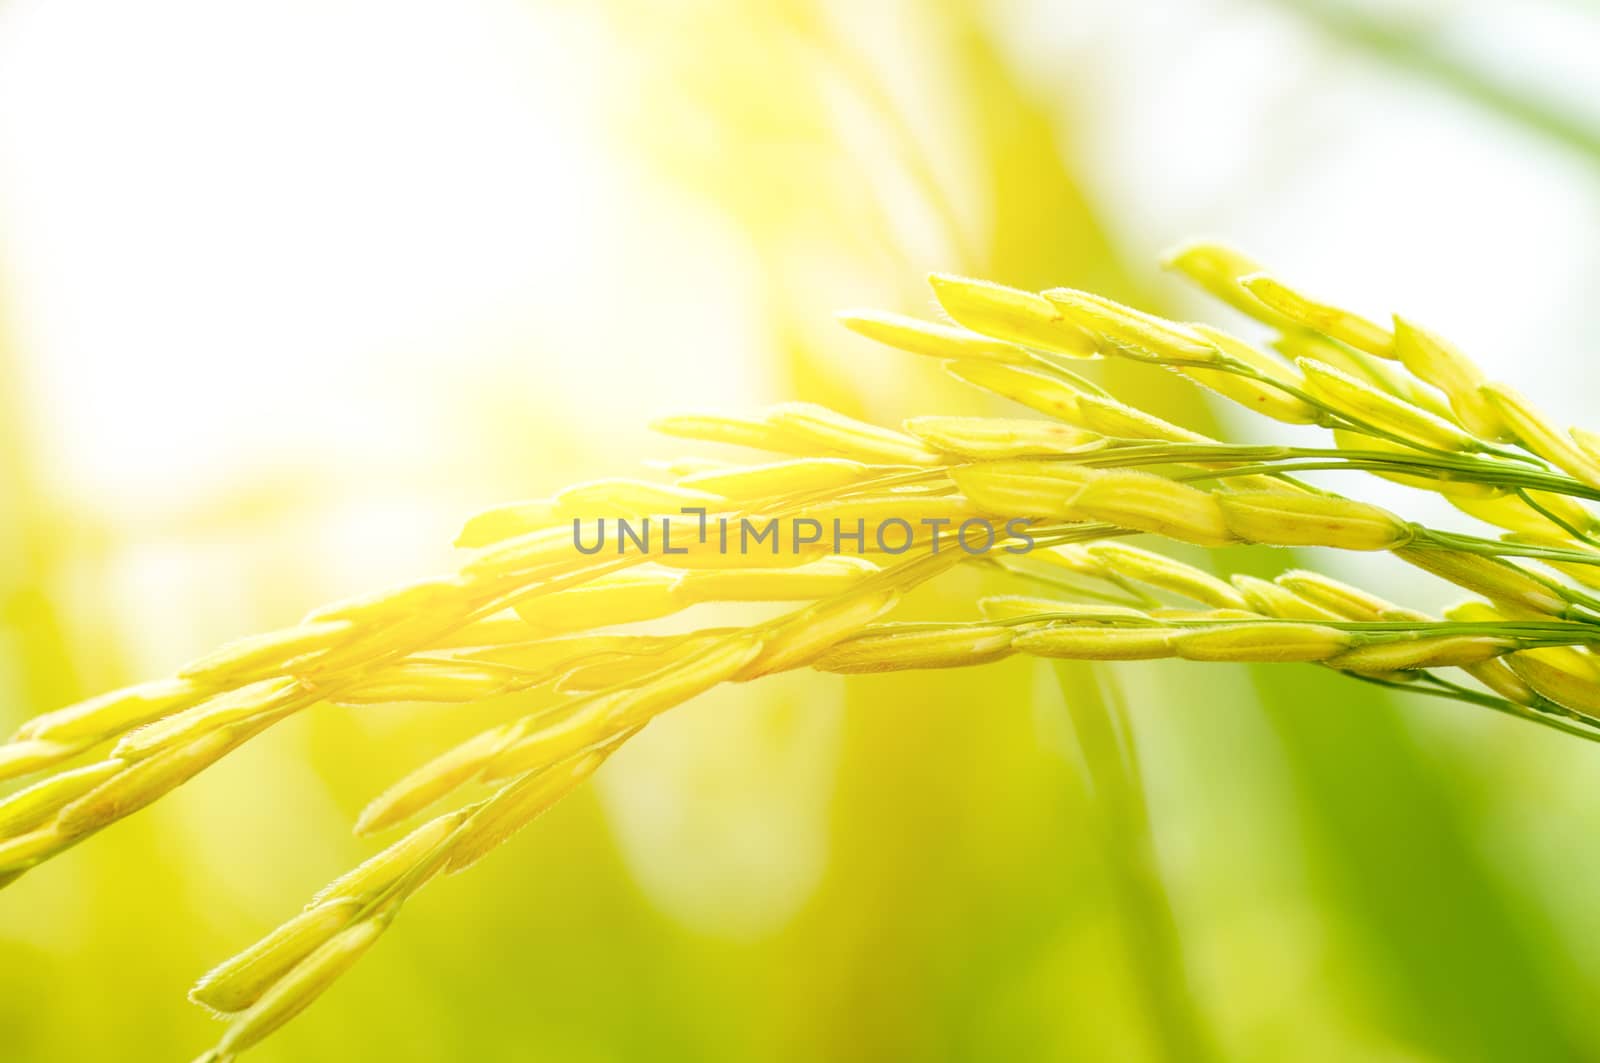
(1432, 359)
(502, 625)
(621, 598)
(23, 756)
(1572, 689)
(1363, 403)
(1030, 488)
(28, 808)
(846, 436)
(1403, 654)
(1219, 270)
(261, 656)
(1269, 599)
(893, 647)
(507, 521)
(1331, 321)
(1264, 389)
(518, 804)
(1017, 606)
(1117, 327)
(143, 782)
(819, 579)
(297, 989)
(990, 438)
(242, 979)
(594, 720)
(931, 339)
(1343, 600)
(1166, 574)
(1112, 418)
(430, 782)
(1263, 643)
(1539, 435)
(259, 699)
(396, 603)
(369, 879)
(732, 431)
(812, 633)
(1311, 520)
(1518, 515)
(1090, 643)
(1047, 394)
(109, 714)
(1499, 581)
(1154, 504)
(1009, 314)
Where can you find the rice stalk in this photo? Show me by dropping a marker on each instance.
(847, 519)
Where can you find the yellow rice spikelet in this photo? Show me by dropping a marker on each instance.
(1013, 606)
(1432, 359)
(1539, 435)
(625, 669)
(147, 780)
(1261, 397)
(443, 681)
(22, 851)
(1095, 643)
(1363, 402)
(27, 808)
(1513, 514)
(1403, 654)
(893, 647)
(377, 873)
(24, 756)
(261, 698)
(1262, 643)
(518, 804)
(1167, 574)
(1218, 269)
(1269, 599)
(596, 719)
(1331, 321)
(805, 637)
(1343, 600)
(1499, 581)
(1009, 314)
(1118, 326)
(302, 985)
(988, 438)
(439, 776)
(396, 603)
(1311, 520)
(819, 579)
(257, 656)
(619, 598)
(1047, 394)
(1119, 420)
(1148, 503)
(930, 338)
(847, 436)
(242, 979)
(1578, 691)
(731, 431)
(1031, 488)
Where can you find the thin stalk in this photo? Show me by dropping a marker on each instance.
(1099, 723)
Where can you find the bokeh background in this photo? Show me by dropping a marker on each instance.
(290, 288)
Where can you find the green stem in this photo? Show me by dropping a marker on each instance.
(1110, 759)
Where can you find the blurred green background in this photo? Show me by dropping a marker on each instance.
(291, 288)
